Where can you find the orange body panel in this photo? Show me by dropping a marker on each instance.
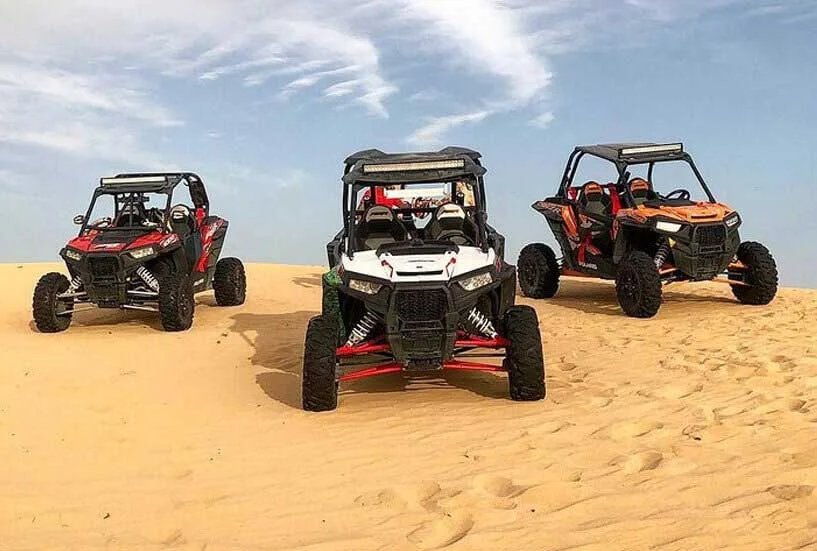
(699, 213)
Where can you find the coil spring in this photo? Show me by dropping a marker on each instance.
(149, 279)
(75, 284)
(362, 329)
(661, 255)
(481, 323)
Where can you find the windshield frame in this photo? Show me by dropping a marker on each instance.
(352, 191)
(624, 174)
(116, 194)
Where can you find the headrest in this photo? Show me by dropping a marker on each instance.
(179, 212)
(639, 184)
(379, 213)
(450, 210)
(592, 189)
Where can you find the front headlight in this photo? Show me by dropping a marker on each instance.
(475, 282)
(669, 227)
(367, 287)
(732, 220)
(73, 255)
(144, 252)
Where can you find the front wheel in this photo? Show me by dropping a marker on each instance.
(760, 274)
(176, 302)
(51, 313)
(538, 271)
(230, 282)
(319, 385)
(524, 362)
(638, 285)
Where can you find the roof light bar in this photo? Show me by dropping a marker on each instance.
(134, 180)
(404, 167)
(643, 149)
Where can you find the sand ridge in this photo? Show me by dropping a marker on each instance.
(693, 430)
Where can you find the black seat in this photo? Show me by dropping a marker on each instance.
(182, 221)
(377, 227)
(594, 201)
(131, 214)
(596, 207)
(641, 191)
(450, 223)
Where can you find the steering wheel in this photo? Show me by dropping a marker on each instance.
(681, 193)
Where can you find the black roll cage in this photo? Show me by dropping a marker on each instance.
(198, 195)
(355, 183)
(623, 174)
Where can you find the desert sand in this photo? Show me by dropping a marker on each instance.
(693, 430)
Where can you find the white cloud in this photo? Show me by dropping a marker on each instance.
(543, 120)
(488, 37)
(431, 134)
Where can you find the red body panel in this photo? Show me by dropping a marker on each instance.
(87, 243)
(208, 232)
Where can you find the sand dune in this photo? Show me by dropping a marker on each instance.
(693, 430)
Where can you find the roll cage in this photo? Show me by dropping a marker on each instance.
(129, 189)
(622, 156)
(373, 168)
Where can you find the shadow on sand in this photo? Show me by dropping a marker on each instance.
(595, 297)
(278, 341)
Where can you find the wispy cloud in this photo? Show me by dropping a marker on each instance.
(543, 120)
(431, 134)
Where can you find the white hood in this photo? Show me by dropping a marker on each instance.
(419, 267)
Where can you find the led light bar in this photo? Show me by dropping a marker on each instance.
(642, 149)
(420, 165)
(134, 180)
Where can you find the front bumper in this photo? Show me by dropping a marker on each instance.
(422, 320)
(711, 249)
(106, 278)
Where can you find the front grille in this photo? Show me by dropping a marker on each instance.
(708, 266)
(422, 305)
(710, 236)
(103, 267)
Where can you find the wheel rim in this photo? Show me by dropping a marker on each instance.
(529, 273)
(61, 307)
(630, 288)
(186, 306)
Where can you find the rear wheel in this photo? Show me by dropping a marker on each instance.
(230, 282)
(760, 274)
(538, 271)
(52, 314)
(319, 385)
(638, 285)
(524, 362)
(176, 302)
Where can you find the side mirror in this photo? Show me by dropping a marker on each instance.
(79, 219)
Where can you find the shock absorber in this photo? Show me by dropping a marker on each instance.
(480, 322)
(75, 284)
(149, 279)
(662, 254)
(362, 329)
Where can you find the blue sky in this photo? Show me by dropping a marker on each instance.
(264, 99)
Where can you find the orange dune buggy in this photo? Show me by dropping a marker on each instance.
(627, 231)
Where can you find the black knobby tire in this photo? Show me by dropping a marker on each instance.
(538, 271)
(525, 361)
(638, 285)
(177, 305)
(47, 308)
(230, 282)
(319, 385)
(761, 274)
